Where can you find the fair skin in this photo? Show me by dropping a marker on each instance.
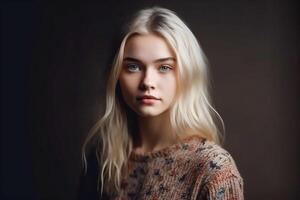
(149, 68)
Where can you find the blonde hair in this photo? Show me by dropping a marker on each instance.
(191, 113)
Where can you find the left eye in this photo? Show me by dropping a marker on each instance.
(165, 68)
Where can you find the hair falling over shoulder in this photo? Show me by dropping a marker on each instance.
(191, 114)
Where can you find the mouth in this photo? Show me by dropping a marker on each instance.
(147, 99)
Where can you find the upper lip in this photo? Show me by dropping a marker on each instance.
(147, 97)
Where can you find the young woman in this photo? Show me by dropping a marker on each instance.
(158, 137)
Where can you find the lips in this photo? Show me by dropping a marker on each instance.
(147, 97)
(147, 100)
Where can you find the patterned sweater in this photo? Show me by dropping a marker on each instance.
(193, 169)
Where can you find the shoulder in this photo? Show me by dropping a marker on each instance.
(206, 152)
(218, 173)
(215, 158)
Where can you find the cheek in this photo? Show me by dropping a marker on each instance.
(128, 86)
(170, 87)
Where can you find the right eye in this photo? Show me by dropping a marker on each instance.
(132, 67)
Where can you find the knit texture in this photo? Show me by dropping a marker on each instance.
(192, 169)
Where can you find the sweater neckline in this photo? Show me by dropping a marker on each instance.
(144, 157)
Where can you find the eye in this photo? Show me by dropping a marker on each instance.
(132, 67)
(165, 68)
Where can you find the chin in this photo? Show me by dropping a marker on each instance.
(147, 112)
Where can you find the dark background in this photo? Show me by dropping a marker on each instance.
(53, 56)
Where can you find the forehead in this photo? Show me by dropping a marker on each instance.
(148, 47)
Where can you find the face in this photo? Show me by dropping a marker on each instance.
(148, 75)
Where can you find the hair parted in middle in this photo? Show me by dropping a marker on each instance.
(191, 113)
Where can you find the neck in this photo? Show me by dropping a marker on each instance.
(154, 133)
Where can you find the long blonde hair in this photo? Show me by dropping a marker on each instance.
(191, 113)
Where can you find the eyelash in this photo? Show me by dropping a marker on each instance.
(131, 65)
(169, 68)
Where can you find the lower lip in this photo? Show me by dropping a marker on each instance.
(148, 101)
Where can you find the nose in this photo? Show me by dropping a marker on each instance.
(148, 80)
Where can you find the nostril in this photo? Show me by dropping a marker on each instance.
(145, 86)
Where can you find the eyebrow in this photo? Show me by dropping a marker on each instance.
(155, 61)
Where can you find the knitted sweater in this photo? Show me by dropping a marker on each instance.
(193, 169)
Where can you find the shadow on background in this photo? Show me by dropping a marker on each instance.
(53, 62)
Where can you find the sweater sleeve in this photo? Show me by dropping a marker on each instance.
(223, 188)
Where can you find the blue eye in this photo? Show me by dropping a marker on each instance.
(133, 67)
(165, 68)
